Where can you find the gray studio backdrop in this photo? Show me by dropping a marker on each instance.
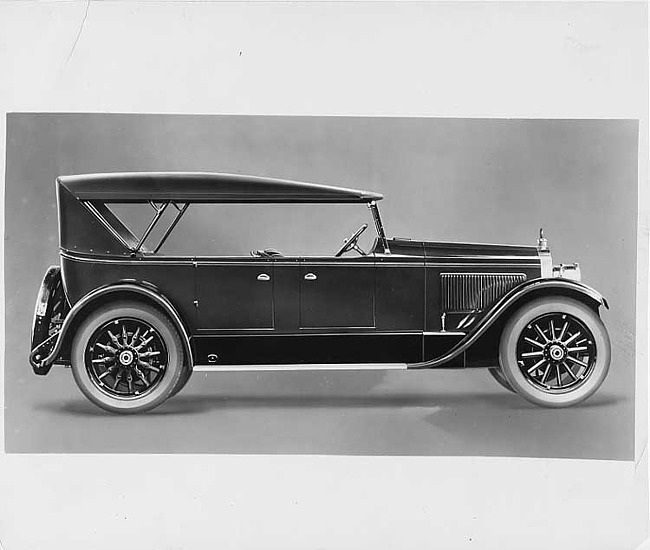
(449, 179)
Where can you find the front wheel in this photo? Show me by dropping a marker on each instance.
(127, 357)
(555, 352)
(500, 378)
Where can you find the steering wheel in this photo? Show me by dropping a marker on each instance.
(351, 243)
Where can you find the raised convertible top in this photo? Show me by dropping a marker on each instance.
(202, 187)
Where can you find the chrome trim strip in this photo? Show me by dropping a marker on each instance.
(304, 367)
(128, 261)
(363, 327)
(487, 274)
(307, 264)
(202, 333)
(484, 257)
(459, 264)
(203, 260)
(392, 256)
(401, 264)
(262, 330)
(482, 265)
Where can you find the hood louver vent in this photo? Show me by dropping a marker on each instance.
(466, 292)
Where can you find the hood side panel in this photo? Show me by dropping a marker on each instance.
(431, 249)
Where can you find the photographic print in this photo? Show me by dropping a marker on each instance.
(197, 276)
(325, 275)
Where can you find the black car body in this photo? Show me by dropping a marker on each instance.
(404, 304)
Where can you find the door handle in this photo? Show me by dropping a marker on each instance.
(263, 277)
(310, 277)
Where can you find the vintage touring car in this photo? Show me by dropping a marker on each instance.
(134, 323)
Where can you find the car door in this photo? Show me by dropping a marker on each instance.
(234, 294)
(337, 293)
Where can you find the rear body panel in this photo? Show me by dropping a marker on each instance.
(173, 277)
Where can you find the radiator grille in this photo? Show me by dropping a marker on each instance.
(464, 292)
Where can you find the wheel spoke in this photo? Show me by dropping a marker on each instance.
(578, 348)
(572, 338)
(136, 334)
(144, 343)
(532, 369)
(118, 378)
(541, 332)
(559, 377)
(148, 366)
(534, 342)
(103, 360)
(532, 354)
(149, 354)
(106, 347)
(114, 338)
(108, 371)
(552, 329)
(548, 368)
(125, 340)
(568, 369)
(576, 361)
(142, 377)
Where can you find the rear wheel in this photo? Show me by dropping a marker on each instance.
(555, 352)
(183, 380)
(127, 357)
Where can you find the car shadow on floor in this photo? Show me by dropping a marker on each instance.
(197, 404)
(496, 426)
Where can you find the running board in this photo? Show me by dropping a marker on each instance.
(306, 367)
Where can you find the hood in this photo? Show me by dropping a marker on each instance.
(432, 249)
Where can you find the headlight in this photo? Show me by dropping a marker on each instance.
(567, 271)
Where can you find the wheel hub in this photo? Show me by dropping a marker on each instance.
(556, 352)
(126, 358)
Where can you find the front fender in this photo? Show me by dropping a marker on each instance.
(139, 289)
(509, 302)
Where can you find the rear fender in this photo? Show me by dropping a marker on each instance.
(49, 312)
(44, 355)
